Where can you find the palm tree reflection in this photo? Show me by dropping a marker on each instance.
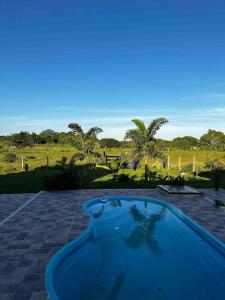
(115, 203)
(144, 230)
(99, 213)
(114, 292)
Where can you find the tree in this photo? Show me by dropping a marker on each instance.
(84, 141)
(36, 138)
(110, 143)
(114, 167)
(21, 139)
(213, 140)
(185, 142)
(4, 141)
(164, 144)
(49, 136)
(64, 138)
(144, 140)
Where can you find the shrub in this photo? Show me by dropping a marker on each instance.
(153, 175)
(170, 180)
(62, 181)
(90, 166)
(210, 163)
(218, 175)
(123, 178)
(10, 158)
(219, 203)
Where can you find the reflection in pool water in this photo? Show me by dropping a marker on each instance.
(144, 230)
(140, 249)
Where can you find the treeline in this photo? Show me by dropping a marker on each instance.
(49, 136)
(212, 140)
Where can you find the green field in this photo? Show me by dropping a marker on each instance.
(14, 180)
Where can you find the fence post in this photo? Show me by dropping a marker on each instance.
(179, 163)
(168, 163)
(22, 163)
(194, 164)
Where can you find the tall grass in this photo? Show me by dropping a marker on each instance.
(36, 157)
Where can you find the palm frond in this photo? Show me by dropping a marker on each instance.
(93, 132)
(152, 150)
(78, 142)
(76, 128)
(78, 156)
(132, 134)
(103, 167)
(72, 160)
(62, 161)
(140, 125)
(155, 126)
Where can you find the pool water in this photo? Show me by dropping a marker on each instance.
(140, 249)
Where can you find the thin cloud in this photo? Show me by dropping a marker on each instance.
(116, 125)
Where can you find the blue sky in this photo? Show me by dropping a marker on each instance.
(102, 63)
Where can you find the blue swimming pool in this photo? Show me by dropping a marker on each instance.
(138, 248)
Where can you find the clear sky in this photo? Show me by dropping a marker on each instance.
(104, 62)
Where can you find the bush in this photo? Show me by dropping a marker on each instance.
(90, 166)
(123, 178)
(210, 163)
(218, 175)
(153, 175)
(62, 181)
(10, 158)
(169, 180)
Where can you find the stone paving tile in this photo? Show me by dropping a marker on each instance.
(4, 256)
(9, 286)
(30, 238)
(32, 284)
(10, 202)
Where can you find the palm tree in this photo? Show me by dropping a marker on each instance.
(144, 140)
(84, 141)
(114, 167)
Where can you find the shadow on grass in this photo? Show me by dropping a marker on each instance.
(32, 181)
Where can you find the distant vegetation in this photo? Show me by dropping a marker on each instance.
(30, 162)
(212, 140)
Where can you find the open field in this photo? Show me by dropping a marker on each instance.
(14, 180)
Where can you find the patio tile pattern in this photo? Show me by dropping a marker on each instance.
(30, 238)
(10, 202)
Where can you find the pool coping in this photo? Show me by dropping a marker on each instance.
(192, 191)
(65, 250)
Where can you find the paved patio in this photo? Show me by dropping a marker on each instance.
(9, 203)
(36, 232)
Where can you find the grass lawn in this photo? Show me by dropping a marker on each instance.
(13, 180)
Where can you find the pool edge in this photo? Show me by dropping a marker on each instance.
(71, 246)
